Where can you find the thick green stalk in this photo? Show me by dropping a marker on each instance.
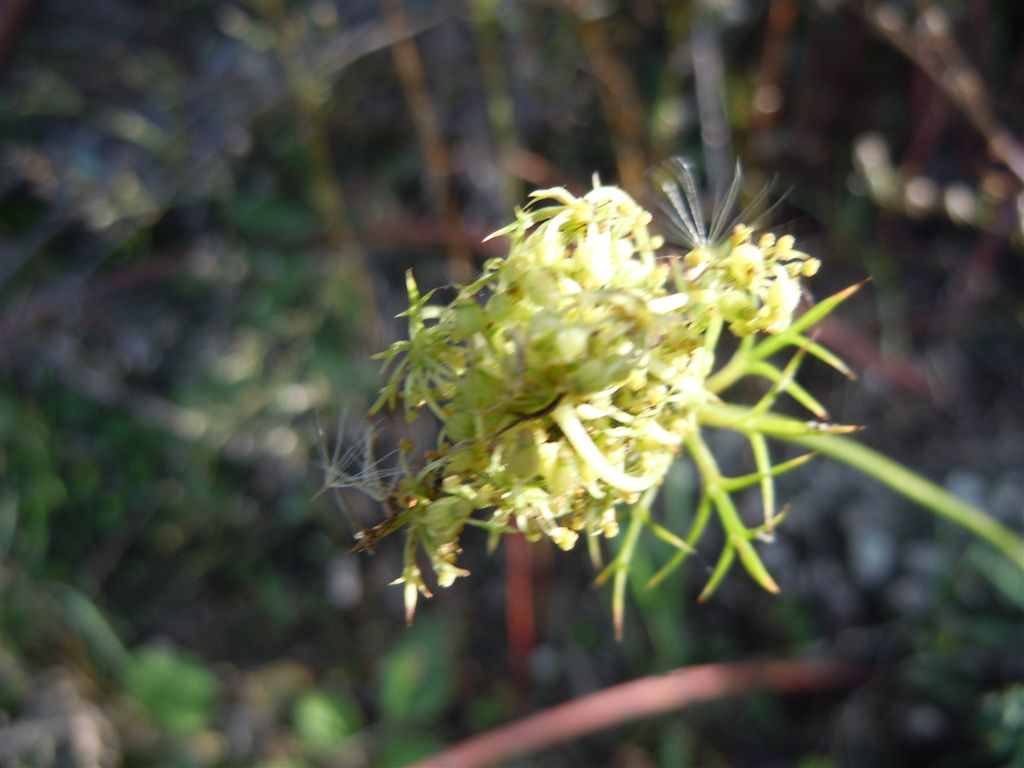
(876, 465)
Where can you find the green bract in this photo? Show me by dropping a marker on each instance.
(570, 374)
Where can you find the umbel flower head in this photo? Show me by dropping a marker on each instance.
(570, 374)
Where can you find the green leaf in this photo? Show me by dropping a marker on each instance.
(269, 216)
(178, 693)
(88, 621)
(733, 484)
(324, 720)
(759, 446)
(790, 387)
(417, 677)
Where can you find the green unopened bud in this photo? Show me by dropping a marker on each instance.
(698, 257)
(562, 475)
(596, 375)
(446, 516)
(745, 262)
(524, 458)
(734, 304)
(571, 344)
(784, 245)
(537, 286)
(469, 319)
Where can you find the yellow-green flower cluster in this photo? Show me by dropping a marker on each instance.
(753, 287)
(568, 374)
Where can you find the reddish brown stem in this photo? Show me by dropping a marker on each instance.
(646, 697)
(519, 608)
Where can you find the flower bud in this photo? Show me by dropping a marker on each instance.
(745, 262)
(523, 458)
(571, 343)
(469, 319)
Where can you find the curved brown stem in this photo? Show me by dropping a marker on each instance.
(931, 47)
(646, 697)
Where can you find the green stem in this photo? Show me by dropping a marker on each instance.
(722, 568)
(780, 382)
(639, 516)
(739, 539)
(700, 521)
(737, 534)
(762, 461)
(734, 370)
(733, 484)
(876, 465)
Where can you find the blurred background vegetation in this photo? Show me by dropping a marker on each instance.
(206, 209)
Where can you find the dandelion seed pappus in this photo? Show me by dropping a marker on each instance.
(753, 282)
(351, 464)
(677, 186)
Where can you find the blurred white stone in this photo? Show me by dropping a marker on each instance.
(344, 581)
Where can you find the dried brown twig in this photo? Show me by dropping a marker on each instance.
(930, 45)
(620, 101)
(646, 697)
(427, 124)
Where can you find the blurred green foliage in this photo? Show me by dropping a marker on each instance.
(418, 675)
(324, 721)
(176, 692)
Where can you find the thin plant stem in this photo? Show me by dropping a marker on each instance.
(733, 484)
(733, 370)
(934, 51)
(878, 466)
(737, 533)
(636, 700)
(639, 515)
(500, 106)
(700, 521)
(325, 193)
